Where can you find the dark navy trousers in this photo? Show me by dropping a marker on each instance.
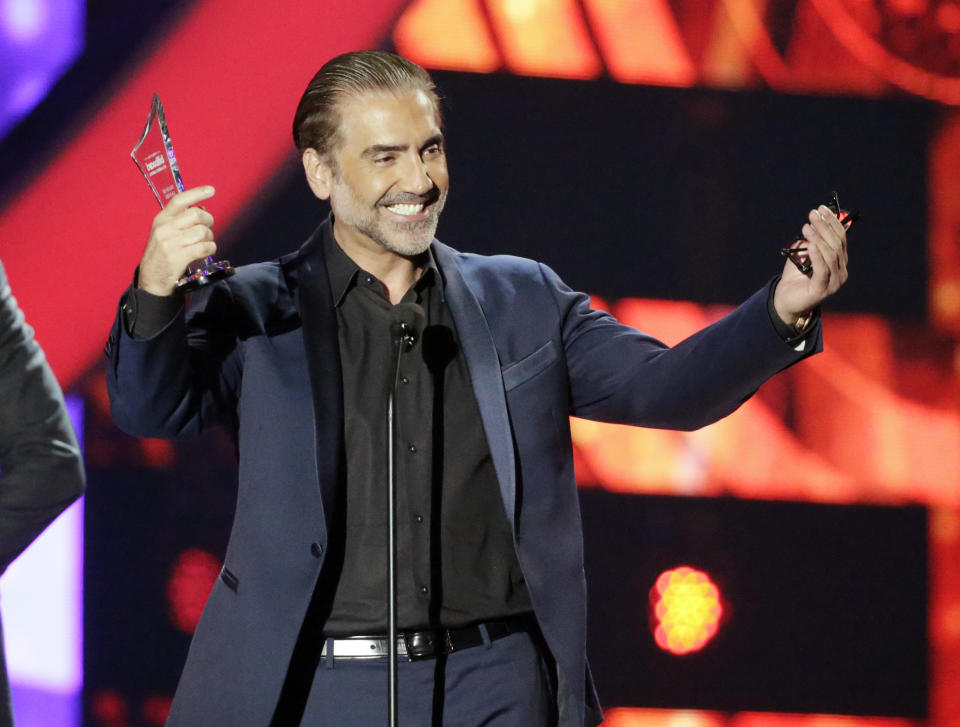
(502, 683)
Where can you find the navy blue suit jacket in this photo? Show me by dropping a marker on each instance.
(258, 353)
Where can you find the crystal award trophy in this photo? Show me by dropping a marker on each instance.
(155, 159)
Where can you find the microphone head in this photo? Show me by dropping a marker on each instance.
(407, 321)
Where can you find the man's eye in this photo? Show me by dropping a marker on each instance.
(383, 159)
(433, 150)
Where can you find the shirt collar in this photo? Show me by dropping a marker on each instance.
(343, 271)
(431, 274)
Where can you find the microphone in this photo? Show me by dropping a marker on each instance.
(407, 321)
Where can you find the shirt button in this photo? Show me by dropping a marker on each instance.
(413, 450)
(369, 280)
(316, 549)
(404, 380)
(419, 518)
(423, 590)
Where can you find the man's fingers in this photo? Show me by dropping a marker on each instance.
(195, 234)
(185, 199)
(172, 235)
(192, 216)
(821, 266)
(812, 235)
(824, 242)
(821, 230)
(201, 249)
(832, 219)
(188, 253)
(180, 233)
(830, 228)
(815, 240)
(829, 267)
(824, 231)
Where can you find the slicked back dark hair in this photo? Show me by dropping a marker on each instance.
(316, 123)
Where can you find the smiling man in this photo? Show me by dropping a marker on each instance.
(294, 357)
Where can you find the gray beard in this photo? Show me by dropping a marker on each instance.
(428, 228)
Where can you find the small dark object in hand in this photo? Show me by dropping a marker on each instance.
(793, 253)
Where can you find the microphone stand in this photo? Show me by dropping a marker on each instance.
(406, 339)
(407, 321)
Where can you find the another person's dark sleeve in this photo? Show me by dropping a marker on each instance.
(41, 470)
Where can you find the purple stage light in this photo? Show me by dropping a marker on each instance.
(39, 40)
(28, 92)
(24, 19)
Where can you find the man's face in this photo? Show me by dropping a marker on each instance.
(389, 176)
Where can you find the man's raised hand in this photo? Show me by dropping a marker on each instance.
(826, 243)
(181, 233)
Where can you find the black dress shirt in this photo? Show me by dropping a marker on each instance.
(456, 560)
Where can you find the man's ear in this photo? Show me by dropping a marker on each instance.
(318, 172)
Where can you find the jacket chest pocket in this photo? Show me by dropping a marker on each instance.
(520, 372)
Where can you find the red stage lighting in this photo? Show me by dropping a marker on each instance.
(156, 709)
(191, 580)
(686, 610)
(108, 708)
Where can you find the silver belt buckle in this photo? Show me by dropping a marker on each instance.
(362, 647)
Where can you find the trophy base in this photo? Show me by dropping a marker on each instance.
(209, 273)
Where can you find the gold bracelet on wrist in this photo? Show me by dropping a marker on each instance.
(803, 322)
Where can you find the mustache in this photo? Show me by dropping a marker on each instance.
(427, 198)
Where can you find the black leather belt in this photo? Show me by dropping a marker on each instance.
(415, 645)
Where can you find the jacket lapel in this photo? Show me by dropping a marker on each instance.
(483, 363)
(315, 304)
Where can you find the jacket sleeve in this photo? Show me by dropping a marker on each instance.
(618, 374)
(41, 470)
(181, 379)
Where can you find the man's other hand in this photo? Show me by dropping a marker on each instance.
(826, 243)
(181, 233)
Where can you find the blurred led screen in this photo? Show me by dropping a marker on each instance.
(825, 606)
